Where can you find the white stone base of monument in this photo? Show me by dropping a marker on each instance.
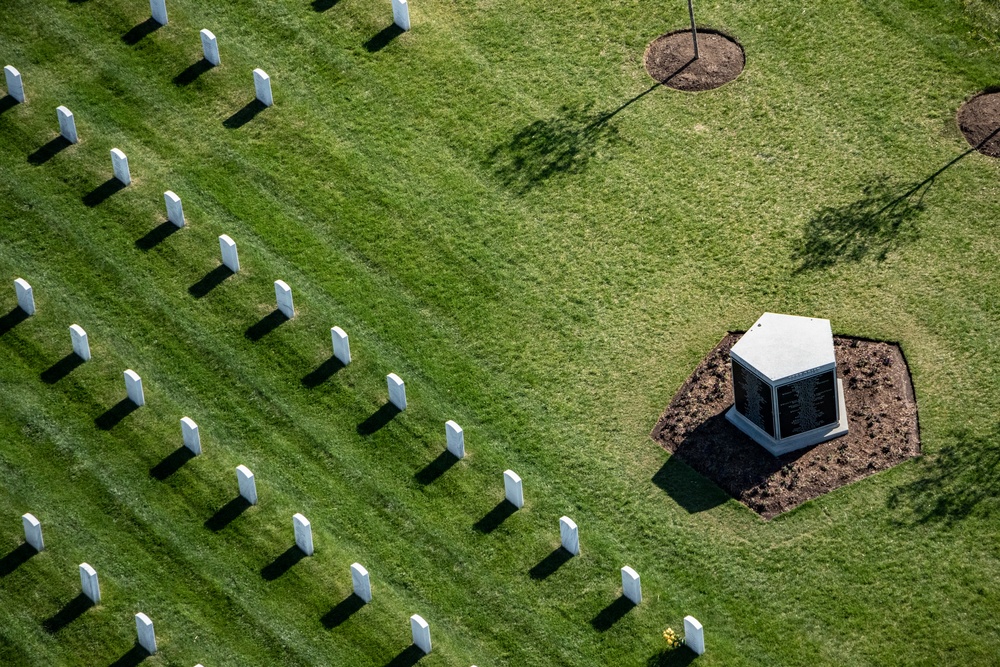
(512, 489)
(401, 14)
(133, 388)
(341, 345)
(67, 125)
(119, 164)
(230, 257)
(303, 534)
(25, 296)
(361, 582)
(144, 629)
(189, 432)
(631, 586)
(89, 584)
(247, 484)
(15, 87)
(807, 439)
(210, 47)
(283, 295)
(175, 210)
(33, 532)
(81, 346)
(262, 86)
(158, 8)
(455, 437)
(569, 535)
(421, 633)
(694, 635)
(397, 391)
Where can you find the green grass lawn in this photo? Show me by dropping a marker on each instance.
(496, 207)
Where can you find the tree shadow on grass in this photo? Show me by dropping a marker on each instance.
(12, 319)
(244, 115)
(678, 657)
(49, 150)
(265, 325)
(611, 614)
(548, 565)
(210, 281)
(7, 102)
(172, 463)
(688, 488)
(381, 40)
(156, 235)
(496, 516)
(133, 658)
(378, 419)
(103, 191)
(115, 414)
(137, 32)
(322, 373)
(191, 74)
(439, 466)
(20, 555)
(61, 368)
(323, 5)
(282, 563)
(227, 514)
(343, 611)
(408, 657)
(73, 610)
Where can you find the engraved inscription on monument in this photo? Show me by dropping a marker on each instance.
(807, 404)
(753, 398)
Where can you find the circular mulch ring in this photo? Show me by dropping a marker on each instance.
(979, 120)
(670, 60)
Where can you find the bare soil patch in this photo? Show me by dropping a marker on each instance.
(979, 120)
(670, 60)
(882, 418)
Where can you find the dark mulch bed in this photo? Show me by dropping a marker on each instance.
(882, 418)
(670, 60)
(979, 120)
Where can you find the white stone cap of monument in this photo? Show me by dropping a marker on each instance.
(780, 347)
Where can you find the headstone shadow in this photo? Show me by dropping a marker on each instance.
(8, 102)
(137, 32)
(156, 235)
(61, 368)
(102, 192)
(210, 281)
(20, 555)
(49, 150)
(134, 657)
(244, 115)
(678, 657)
(611, 614)
(265, 325)
(192, 72)
(172, 463)
(283, 563)
(687, 487)
(381, 40)
(496, 516)
(115, 414)
(322, 373)
(439, 466)
(548, 565)
(70, 612)
(12, 319)
(323, 5)
(227, 514)
(408, 657)
(378, 419)
(343, 611)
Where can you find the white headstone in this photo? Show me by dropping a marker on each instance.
(67, 124)
(401, 14)
(694, 635)
(133, 387)
(341, 346)
(421, 633)
(89, 584)
(81, 346)
(248, 487)
(303, 534)
(229, 255)
(455, 438)
(361, 582)
(262, 86)
(512, 489)
(210, 47)
(158, 8)
(25, 296)
(631, 588)
(175, 210)
(569, 535)
(119, 164)
(15, 87)
(189, 431)
(33, 532)
(283, 295)
(397, 391)
(144, 628)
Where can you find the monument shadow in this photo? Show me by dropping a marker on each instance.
(678, 657)
(378, 419)
(244, 115)
(156, 235)
(140, 30)
(548, 565)
(322, 373)
(115, 414)
(343, 611)
(12, 319)
(408, 657)
(70, 612)
(191, 74)
(61, 368)
(265, 325)
(172, 463)
(611, 614)
(210, 281)
(283, 563)
(496, 516)
(227, 514)
(381, 40)
(134, 657)
(7, 102)
(323, 5)
(687, 487)
(439, 466)
(13, 560)
(102, 192)
(49, 150)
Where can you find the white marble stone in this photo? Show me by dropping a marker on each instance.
(421, 633)
(210, 47)
(89, 584)
(144, 628)
(631, 587)
(283, 295)
(190, 434)
(230, 257)
(175, 210)
(401, 14)
(569, 535)
(119, 164)
(25, 296)
(361, 582)
(67, 125)
(694, 635)
(455, 438)
(303, 534)
(397, 391)
(15, 87)
(341, 345)
(33, 532)
(262, 86)
(248, 486)
(781, 346)
(158, 8)
(133, 387)
(81, 345)
(512, 488)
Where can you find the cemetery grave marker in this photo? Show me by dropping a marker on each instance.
(401, 13)
(15, 87)
(144, 629)
(158, 8)
(361, 583)
(397, 391)
(175, 210)
(631, 587)
(81, 346)
(569, 535)
(33, 532)
(283, 295)
(341, 345)
(210, 47)
(694, 635)
(67, 125)
(25, 296)
(513, 491)
(455, 437)
(133, 388)
(189, 432)
(119, 164)
(303, 534)
(262, 87)
(230, 257)
(247, 484)
(421, 633)
(89, 584)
